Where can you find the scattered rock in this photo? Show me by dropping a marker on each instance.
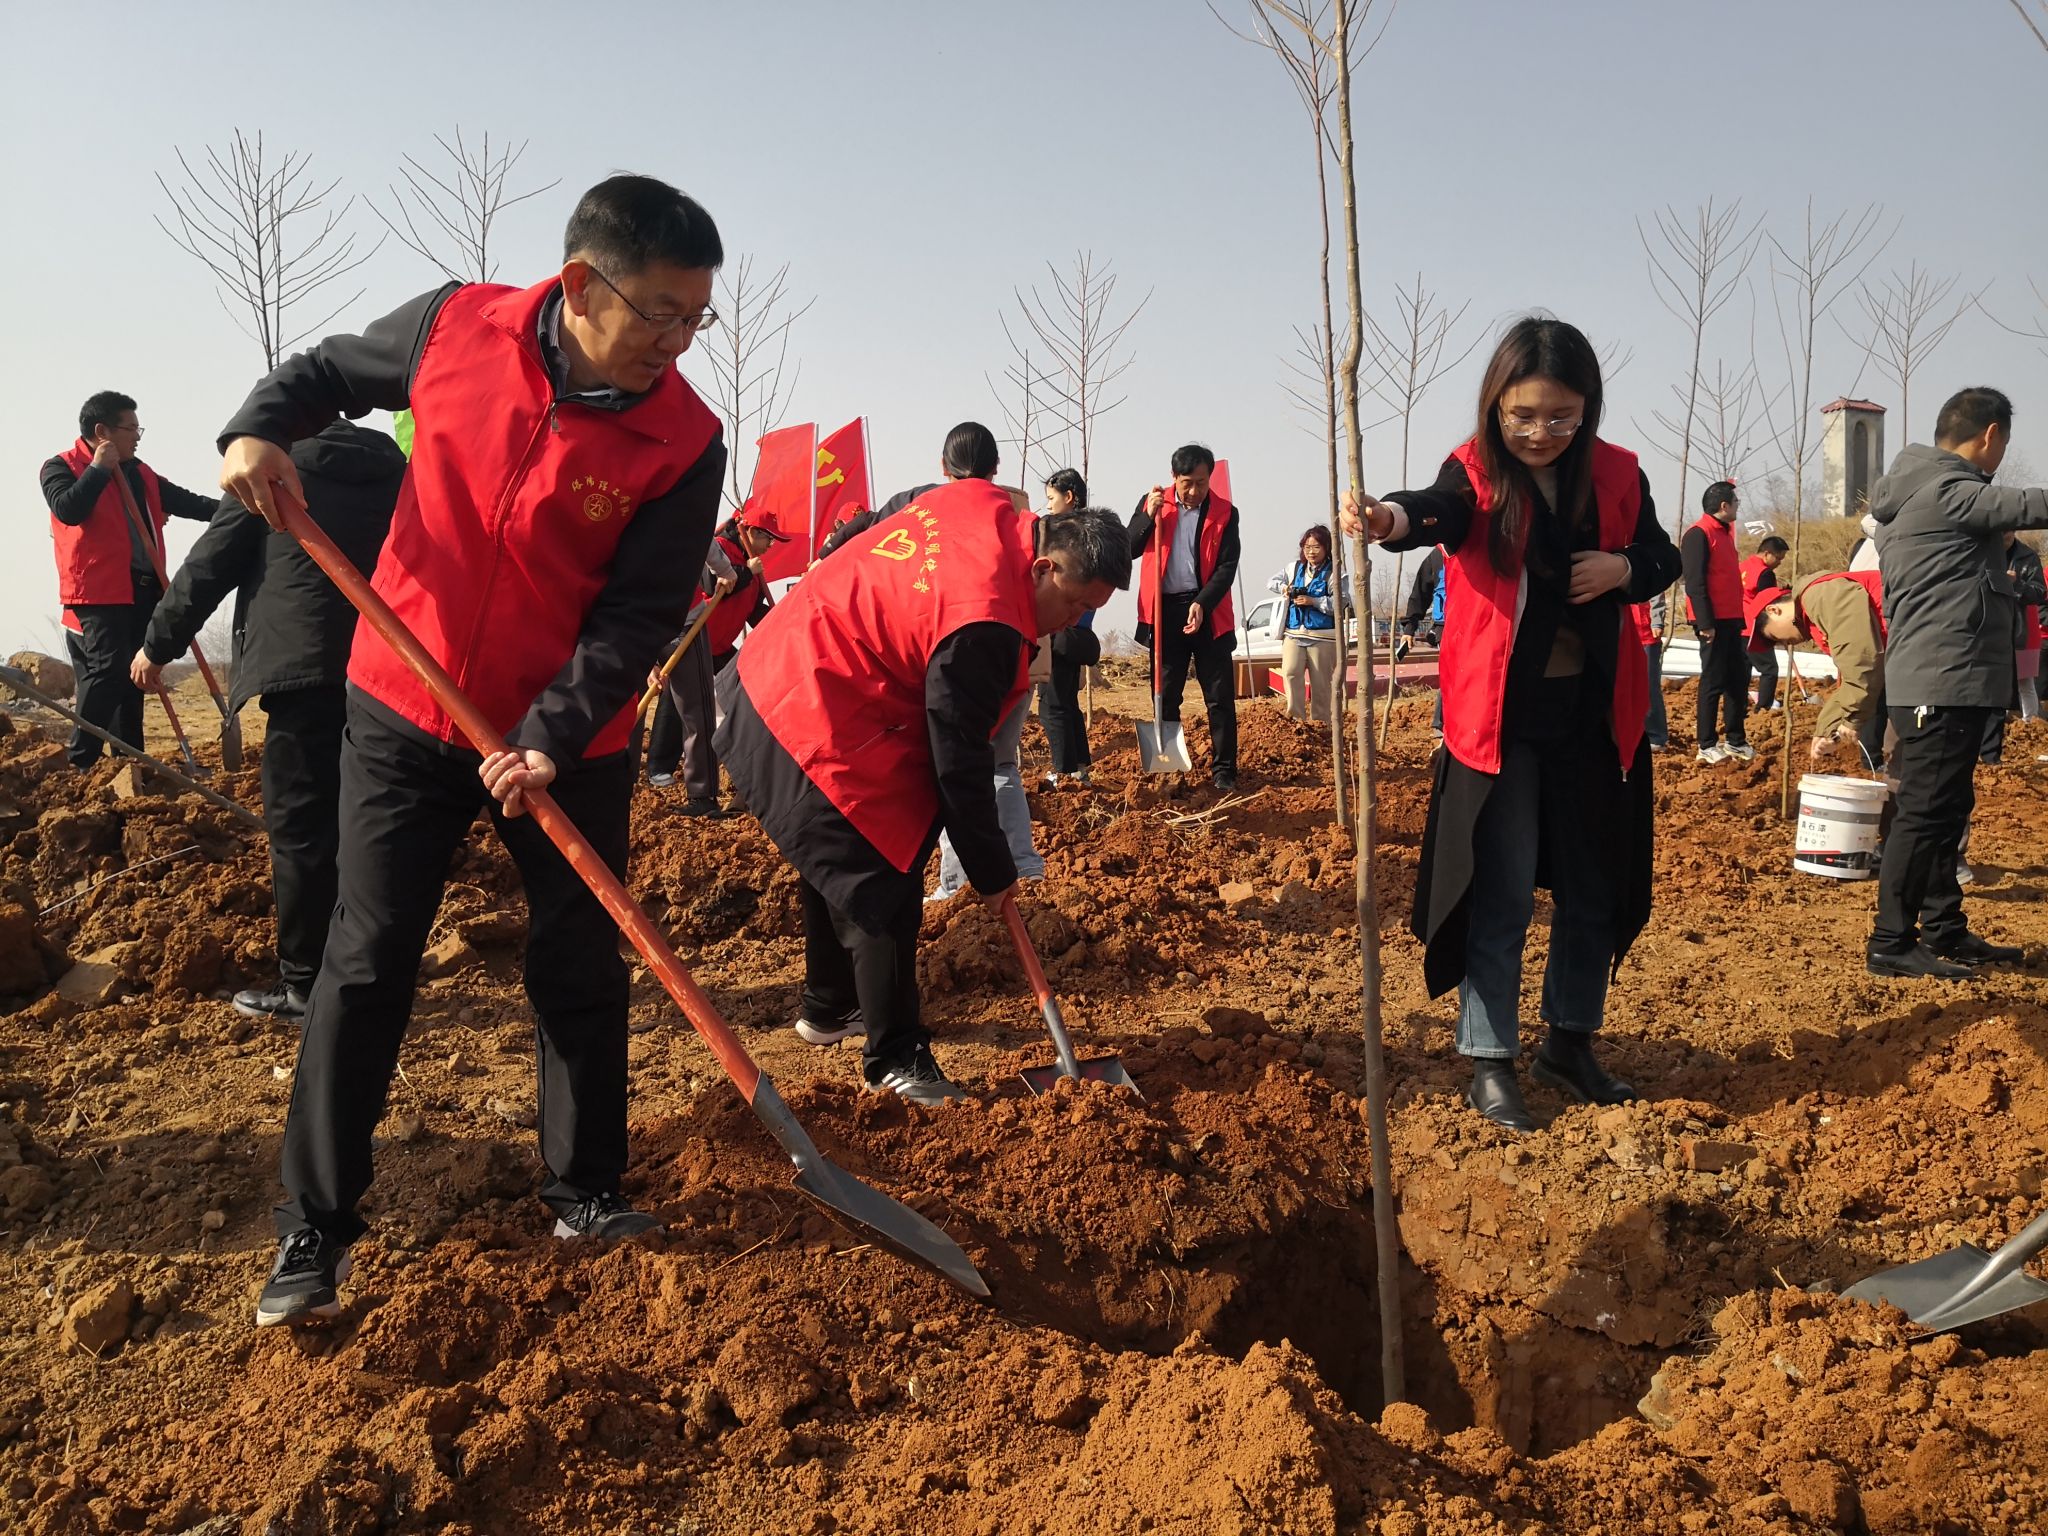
(130, 780)
(407, 1125)
(99, 1320)
(1821, 1492)
(91, 983)
(213, 1221)
(46, 674)
(1227, 1023)
(515, 1112)
(1702, 1156)
(1237, 893)
(762, 1379)
(24, 966)
(209, 1152)
(452, 954)
(193, 961)
(25, 1190)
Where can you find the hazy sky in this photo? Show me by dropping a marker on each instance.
(913, 162)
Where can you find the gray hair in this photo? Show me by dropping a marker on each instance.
(1094, 540)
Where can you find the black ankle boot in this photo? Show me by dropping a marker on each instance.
(1566, 1063)
(1496, 1094)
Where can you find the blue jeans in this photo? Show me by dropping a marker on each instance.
(1013, 811)
(1657, 728)
(1538, 791)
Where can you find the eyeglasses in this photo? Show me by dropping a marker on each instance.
(661, 325)
(1557, 426)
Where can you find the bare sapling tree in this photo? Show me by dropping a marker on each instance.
(1082, 334)
(1731, 411)
(1808, 278)
(445, 213)
(1022, 395)
(747, 357)
(1409, 356)
(1298, 43)
(2036, 332)
(1904, 324)
(268, 232)
(2038, 28)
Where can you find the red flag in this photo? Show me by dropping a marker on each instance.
(781, 495)
(1219, 481)
(844, 483)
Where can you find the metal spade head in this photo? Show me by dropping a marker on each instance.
(1947, 1291)
(1097, 1069)
(1162, 748)
(231, 743)
(869, 1213)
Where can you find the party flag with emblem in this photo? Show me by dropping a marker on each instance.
(844, 484)
(781, 497)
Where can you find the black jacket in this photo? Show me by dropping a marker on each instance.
(1215, 586)
(293, 628)
(1422, 593)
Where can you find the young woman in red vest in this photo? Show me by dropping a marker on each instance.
(1713, 606)
(1549, 534)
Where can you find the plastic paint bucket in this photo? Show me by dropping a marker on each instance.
(1838, 820)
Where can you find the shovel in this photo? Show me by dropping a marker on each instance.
(861, 1210)
(1097, 1069)
(644, 713)
(1161, 746)
(230, 722)
(163, 697)
(1964, 1285)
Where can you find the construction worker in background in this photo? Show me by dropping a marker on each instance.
(293, 630)
(858, 723)
(562, 473)
(1760, 574)
(1185, 591)
(110, 546)
(1713, 606)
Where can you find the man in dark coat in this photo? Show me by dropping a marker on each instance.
(1949, 668)
(293, 629)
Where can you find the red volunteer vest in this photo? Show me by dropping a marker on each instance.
(1208, 549)
(1754, 572)
(92, 558)
(1480, 619)
(1869, 581)
(723, 629)
(511, 512)
(837, 670)
(1724, 576)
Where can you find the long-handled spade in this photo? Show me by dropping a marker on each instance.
(1097, 1069)
(163, 697)
(230, 722)
(1162, 747)
(863, 1210)
(1964, 1285)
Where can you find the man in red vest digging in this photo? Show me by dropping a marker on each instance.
(1184, 591)
(1842, 612)
(1713, 606)
(859, 721)
(109, 543)
(560, 499)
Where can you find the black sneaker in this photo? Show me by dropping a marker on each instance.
(304, 1281)
(1225, 779)
(919, 1080)
(1917, 961)
(701, 806)
(1971, 949)
(280, 1002)
(604, 1216)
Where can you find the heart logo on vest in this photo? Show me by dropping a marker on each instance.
(897, 546)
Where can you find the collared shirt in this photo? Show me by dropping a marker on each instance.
(603, 398)
(1183, 570)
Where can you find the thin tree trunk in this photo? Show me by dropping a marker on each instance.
(1330, 501)
(1386, 1234)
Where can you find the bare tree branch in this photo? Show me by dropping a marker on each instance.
(2032, 25)
(1079, 331)
(265, 231)
(748, 357)
(457, 206)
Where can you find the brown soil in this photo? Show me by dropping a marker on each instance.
(1183, 1335)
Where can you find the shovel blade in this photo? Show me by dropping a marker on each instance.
(231, 743)
(1163, 748)
(1932, 1291)
(868, 1213)
(1097, 1069)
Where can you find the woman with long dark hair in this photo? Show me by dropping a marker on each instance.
(1549, 534)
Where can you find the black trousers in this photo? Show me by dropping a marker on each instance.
(111, 635)
(866, 963)
(1763, 666)
(681, 733)
(1066, 725)
(1210, 656)
(1871, 739)
(1724, 686)
(407, 803)
(301, 812)
(1918, 897)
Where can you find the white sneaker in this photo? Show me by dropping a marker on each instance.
(1743, 754)
(1714, 754)
(830, 1034)
(1964, 874)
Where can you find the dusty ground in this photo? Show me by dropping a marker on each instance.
(1183, 1335)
